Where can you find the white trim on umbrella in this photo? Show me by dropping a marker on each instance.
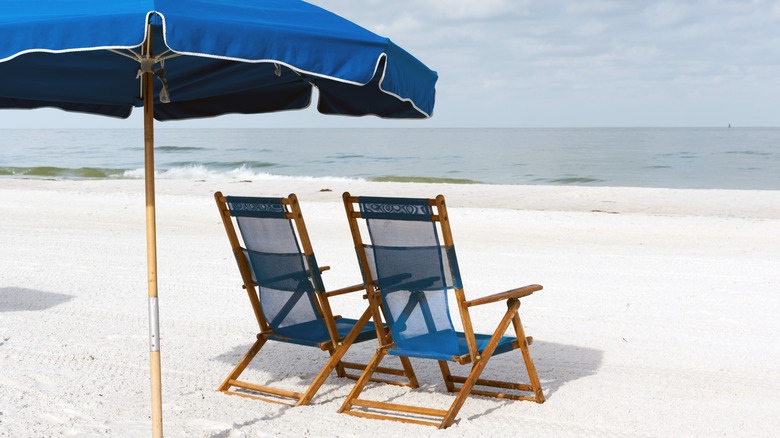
(138, 57)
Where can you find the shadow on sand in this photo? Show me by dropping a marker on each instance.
(17, 299)
(556, 364)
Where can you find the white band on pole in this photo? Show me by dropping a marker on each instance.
(154, 325)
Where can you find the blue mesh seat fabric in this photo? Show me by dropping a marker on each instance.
(286, 279)
(414, 272)
(313, 333)
(420, 347)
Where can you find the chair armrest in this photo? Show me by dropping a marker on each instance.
(514, 293)
(324, 268)
(346, 290)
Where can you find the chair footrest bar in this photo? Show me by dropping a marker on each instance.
(501, 395)
(494, 384)
(399, 408)
(265, 389)
(351, 376)
(390, 417)
(376, 380)
(382, 370)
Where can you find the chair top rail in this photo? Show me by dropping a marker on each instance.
(287, 202)
(357, 215)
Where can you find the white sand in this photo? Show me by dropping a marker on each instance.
(659, 317)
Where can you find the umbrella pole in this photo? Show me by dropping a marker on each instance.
(151, 247)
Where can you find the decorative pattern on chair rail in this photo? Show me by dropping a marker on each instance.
(255, 207)
(389, 208)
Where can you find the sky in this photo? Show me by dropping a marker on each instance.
(553, 63)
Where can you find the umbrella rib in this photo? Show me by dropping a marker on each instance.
(132, 55)
(137, 57)
(163, 58)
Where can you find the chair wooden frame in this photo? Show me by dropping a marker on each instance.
(477, 359)
(336, 346)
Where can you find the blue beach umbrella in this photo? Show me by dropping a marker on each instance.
(181, 59)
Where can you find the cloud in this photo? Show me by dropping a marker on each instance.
(474, 10)
(666, 14)
(400, 25)
(594, 7)
(590, 28)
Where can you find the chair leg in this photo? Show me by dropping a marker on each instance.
(335, 359)
(340, 372)
(363, 380)
(243, 364)
(445, 372)
(476, 370)
(409, 372)
(529, 362)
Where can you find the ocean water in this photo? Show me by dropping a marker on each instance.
(715, 158)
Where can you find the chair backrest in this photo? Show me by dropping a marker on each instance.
(412, 270)
(286, 277)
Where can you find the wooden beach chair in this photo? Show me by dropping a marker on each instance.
(285, 289)
(408, 274)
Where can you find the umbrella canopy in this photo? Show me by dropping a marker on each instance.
(183, 59)
(214, 57)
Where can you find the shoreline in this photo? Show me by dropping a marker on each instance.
(761, 204)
